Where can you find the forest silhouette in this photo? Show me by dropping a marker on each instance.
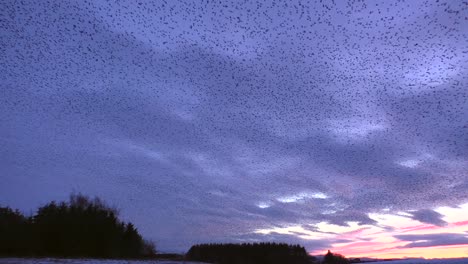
(81, 227)
(88, 228)
(257, 253)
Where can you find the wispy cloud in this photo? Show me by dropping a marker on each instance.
(432, 240)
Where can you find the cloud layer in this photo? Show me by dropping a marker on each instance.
(431, 240)
(208, 121)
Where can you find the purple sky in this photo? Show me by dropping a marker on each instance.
(206, 121)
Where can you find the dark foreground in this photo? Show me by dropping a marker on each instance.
(86, 261)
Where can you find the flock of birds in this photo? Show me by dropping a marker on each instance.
(329, 81)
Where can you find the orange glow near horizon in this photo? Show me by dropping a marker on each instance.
(390, 250)
(457, 251)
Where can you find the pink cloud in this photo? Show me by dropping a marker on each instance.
(420, 227)
(461, 223)
(432, 227)
(366, 248)
(358, 247)
(354, 232)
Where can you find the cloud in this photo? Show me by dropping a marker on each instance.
(301, 197)
(428, 216)
(433, 240)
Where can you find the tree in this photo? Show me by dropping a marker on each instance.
(14, 232)
(333, 258)
(257, 253)
(83, 227)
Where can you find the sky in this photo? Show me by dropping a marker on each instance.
(338, 125)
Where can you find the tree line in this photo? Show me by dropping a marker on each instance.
(81, 227)
(257, 253)
(88, 228)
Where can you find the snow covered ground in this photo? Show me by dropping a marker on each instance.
(86, 261)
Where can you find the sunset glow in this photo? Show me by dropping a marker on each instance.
(381, 240)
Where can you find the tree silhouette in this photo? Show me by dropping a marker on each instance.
(80, 228)
(14, 232)
(257, 253)
(333, 258)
